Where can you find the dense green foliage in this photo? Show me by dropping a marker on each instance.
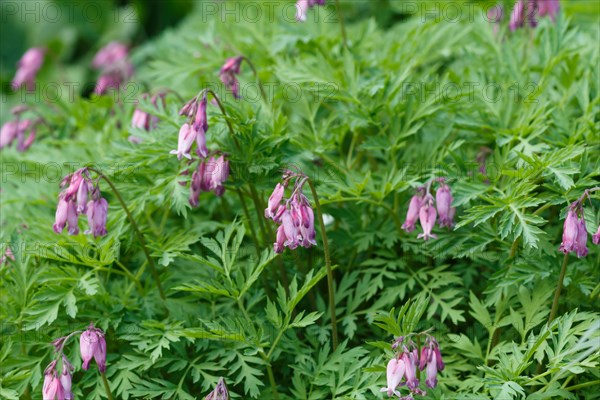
(410, 99)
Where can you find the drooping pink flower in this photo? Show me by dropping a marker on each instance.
(427, 217)
(411, 360)
(60, 219)
(517, 16)
(186, 139)
(581, 243)
(413, 213)
(280, 240)
(548, 7)
(66, 379)
(596, 236)
(394, 374)
(220, 175)
(219, 393)
(200, 126)
(28, 67)
(115, 68)
(8, 133)
(274, 201)
(72, 218)
(431, 359)
(302, 6)
(82, 196)
(195, 187)
(228, 73)
(443, 199)
(75, 180)
(8, 254)
(52, 389)
(570, 231)
(93, 345)
(290, 230)
(23, 142)
(109, 55)
(97, 210)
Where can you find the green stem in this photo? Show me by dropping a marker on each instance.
(334, 333)
(137, 231)
(130, 276)
(260, 86)
(229, 126)
(247, 214)
(258, 206)
(272, 381)
(559, 285)
(106, 387)
(342, 24)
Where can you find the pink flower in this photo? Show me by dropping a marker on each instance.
(93, 345)
(220, 175)
(52, 389)
(548, 7)
(60, 218)
(290, 230)
(8, 133)
(72, 218)
(97, 210)
(394, 374)
(112, 61)
(596, 236)
(432, 359)
(109, 55)
(444, 199)
(23, 142)
(219, 393)
(274, 201)
(66, 379)
(228, 73)
(581, 244)
(200, 126)
(75, 180)
(280, 240)
(302, 7)
(82, 196)
(411, 359)
(517, 15)
(413, 213)
(29, 65)
(186, 139)
(427, 217)
(8, 254)
(570, 231)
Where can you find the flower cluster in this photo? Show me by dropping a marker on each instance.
(21, 130)
(81, 196)
(220, 392)
(421, 207)
(403, 366)
(58, 376)
(294, 214)
(28, 67)
(115, 68)
(302, 6)
(574, 238)
(228, 73)
(527, 10)
(211, 173)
